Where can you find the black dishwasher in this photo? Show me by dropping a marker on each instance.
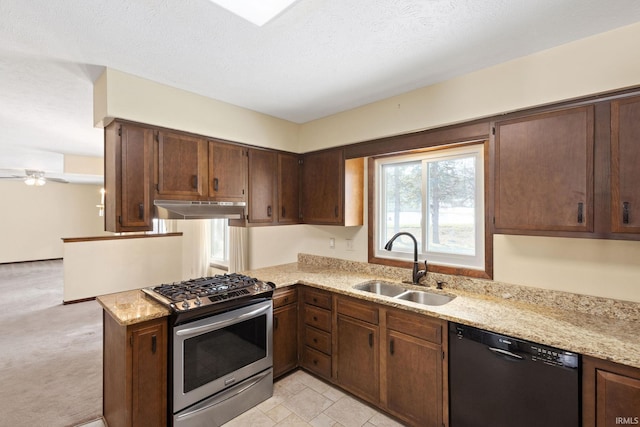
(499, 381)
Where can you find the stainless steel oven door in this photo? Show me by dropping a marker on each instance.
(217, 352)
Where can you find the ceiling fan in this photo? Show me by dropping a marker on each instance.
(35, 178)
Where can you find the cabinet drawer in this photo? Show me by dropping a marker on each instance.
(284, 297)
(317, 362)
(317, 317)
(317, 298)
(358, 310)
(317, 339)
(415, 325)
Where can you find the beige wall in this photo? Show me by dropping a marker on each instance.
(34, 219)
(120, 95)
(596, 64)
(604, 62)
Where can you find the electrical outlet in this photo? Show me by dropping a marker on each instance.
(332, 243)
(349, 244)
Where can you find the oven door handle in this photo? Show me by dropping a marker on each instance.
(221, 324)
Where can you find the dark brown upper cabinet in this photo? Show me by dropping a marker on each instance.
(544, 169)
(128, 158)
(182, 170)
(288, 210)
(262, 186)
(227, 172)
(625, 165)
(332, 189)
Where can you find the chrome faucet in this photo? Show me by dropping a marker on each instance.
(417, 274)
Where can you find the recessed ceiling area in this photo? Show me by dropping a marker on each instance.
(316, 58)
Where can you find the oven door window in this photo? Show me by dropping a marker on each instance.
(213, 355)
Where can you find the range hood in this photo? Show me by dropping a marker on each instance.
(184, 209)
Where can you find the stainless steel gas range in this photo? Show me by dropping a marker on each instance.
(221, 355)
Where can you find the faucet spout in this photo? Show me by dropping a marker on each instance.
(417, 273)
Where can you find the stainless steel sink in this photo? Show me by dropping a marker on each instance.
(426, 298)
(380, 287)
(396, 291)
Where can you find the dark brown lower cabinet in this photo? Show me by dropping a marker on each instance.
(610, 394)
(135, 373)
(414, 362)
(393, 359)
(357, 359)
(285, 331)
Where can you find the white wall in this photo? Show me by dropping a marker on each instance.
(106, 266)
(33, 220)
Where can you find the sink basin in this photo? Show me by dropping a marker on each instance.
(381, 288)
(426, 298)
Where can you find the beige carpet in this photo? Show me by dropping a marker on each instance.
(50, 354)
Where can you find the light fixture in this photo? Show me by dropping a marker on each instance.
(258, 12)
(35, 178)
(101, 205)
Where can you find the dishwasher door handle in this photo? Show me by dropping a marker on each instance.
(502, 352)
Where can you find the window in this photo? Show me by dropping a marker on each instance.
(437, 196)
(220, 242)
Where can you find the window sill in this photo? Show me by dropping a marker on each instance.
(433, 268)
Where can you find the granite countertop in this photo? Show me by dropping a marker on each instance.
(607, 338)
(131, 307)
(606, 329)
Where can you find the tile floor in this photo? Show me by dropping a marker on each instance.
(300, 399)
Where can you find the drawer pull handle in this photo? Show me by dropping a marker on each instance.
(391, 348)
(286, 300)
(215, 184)
(315, 299)
(315, 341)
(625, 212)
(315, 362)
(154, 344)
(194, 181)
(580, 212)
(269, 211)
(335, 211)
(141, 211)
(315, 319)
(371, 339)
(283, 212)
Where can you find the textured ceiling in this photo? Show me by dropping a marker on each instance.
(318, 58)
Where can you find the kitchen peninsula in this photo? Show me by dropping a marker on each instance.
(602, 330)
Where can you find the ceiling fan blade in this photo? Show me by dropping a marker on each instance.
(58, 180)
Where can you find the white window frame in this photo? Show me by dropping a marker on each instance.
(223, 263)
(475, 262)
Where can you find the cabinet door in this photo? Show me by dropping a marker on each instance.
(414, 379)
(136, 171)
(544, 172)
(262, 182)
(358, 358)
(610, 393)
(285, 339)
(227, 172)
(182, 167)
(322, 187)
(288, 189)
(149, 374)
(625, 158)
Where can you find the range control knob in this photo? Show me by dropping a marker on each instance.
(185, 304)
(197, 302)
